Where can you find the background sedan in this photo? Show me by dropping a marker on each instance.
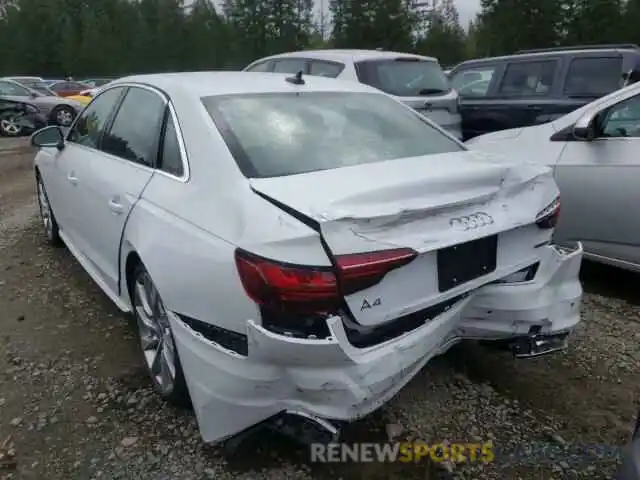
(59, 111)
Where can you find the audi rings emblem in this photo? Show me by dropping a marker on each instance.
(471, 222)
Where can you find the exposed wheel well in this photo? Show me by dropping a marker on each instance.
(133, 260)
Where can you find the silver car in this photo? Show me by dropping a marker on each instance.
(594, 154)
(58, 110)
(415, 80)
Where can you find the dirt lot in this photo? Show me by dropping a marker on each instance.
(75, 402)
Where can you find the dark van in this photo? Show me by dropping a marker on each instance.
(537, 86)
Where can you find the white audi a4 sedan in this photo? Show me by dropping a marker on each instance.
(295, 249)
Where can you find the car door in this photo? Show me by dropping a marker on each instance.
(112, 181)
(473, 84)
(599, 185)
(526, 92)
(60, 169)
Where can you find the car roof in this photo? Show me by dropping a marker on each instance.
(345, 55)
(24, 77)
(543, 53)
(204, 84)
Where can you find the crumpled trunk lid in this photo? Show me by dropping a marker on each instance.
(423, 203)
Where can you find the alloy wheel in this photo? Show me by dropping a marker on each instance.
(64, 117)
(45, 210)
(10, 127)
(156, 337)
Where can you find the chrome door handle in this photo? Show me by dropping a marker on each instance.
(116, 206)
(73, 180)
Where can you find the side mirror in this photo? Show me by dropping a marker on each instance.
(585, 128)
(51, 136)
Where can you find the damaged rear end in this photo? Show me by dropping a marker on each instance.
(422, 251)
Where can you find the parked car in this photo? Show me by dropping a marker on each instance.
(96, 82)
(35, 83)
(594, 154)
(18, 118)
(537, 86)
(67, 88)
(58, 110)
(326, 302)
(415, 80)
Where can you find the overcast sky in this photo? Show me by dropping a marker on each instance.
(467, 9)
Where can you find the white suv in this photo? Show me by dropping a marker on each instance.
(417, 81)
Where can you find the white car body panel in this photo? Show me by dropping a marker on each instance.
(186, 230)
(598, 180)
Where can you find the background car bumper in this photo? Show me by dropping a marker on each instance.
(331, 379)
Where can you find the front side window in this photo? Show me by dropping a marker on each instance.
(523, 79)
(281, 134)
(404, 76)
(14, 89)
(593, 77)
(290, 65)
(623, 119)
(90, 124)
(135, 131)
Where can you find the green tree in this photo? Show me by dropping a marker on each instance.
(444, 37)
(387, 24)
(593, 22)
(505, 26)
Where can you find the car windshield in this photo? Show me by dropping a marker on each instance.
(404, 76)
(38, 85)
(281, 134)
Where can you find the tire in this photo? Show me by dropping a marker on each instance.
(8, 126)
(159, 351)
(49, 222)
(63, 115)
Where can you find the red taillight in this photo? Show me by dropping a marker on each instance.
(299, 288)
(363, 270)
(287, 287)
(548, 217)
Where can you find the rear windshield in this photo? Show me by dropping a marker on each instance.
(404, 76)
(279, 134)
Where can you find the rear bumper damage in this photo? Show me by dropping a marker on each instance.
(331, 379)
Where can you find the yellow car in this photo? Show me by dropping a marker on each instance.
(84, 97)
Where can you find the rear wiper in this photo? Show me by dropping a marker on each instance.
(428, 91)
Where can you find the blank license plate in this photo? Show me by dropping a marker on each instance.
(464, 262)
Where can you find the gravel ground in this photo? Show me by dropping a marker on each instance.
(75, 402)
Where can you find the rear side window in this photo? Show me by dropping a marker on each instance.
(473, 82)
(290, 65)
(135, 131)
(170, 160)
(279, 134)
(593, 76)
(528, 78)
(325, 69)
(260, 67)
(404, 76)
